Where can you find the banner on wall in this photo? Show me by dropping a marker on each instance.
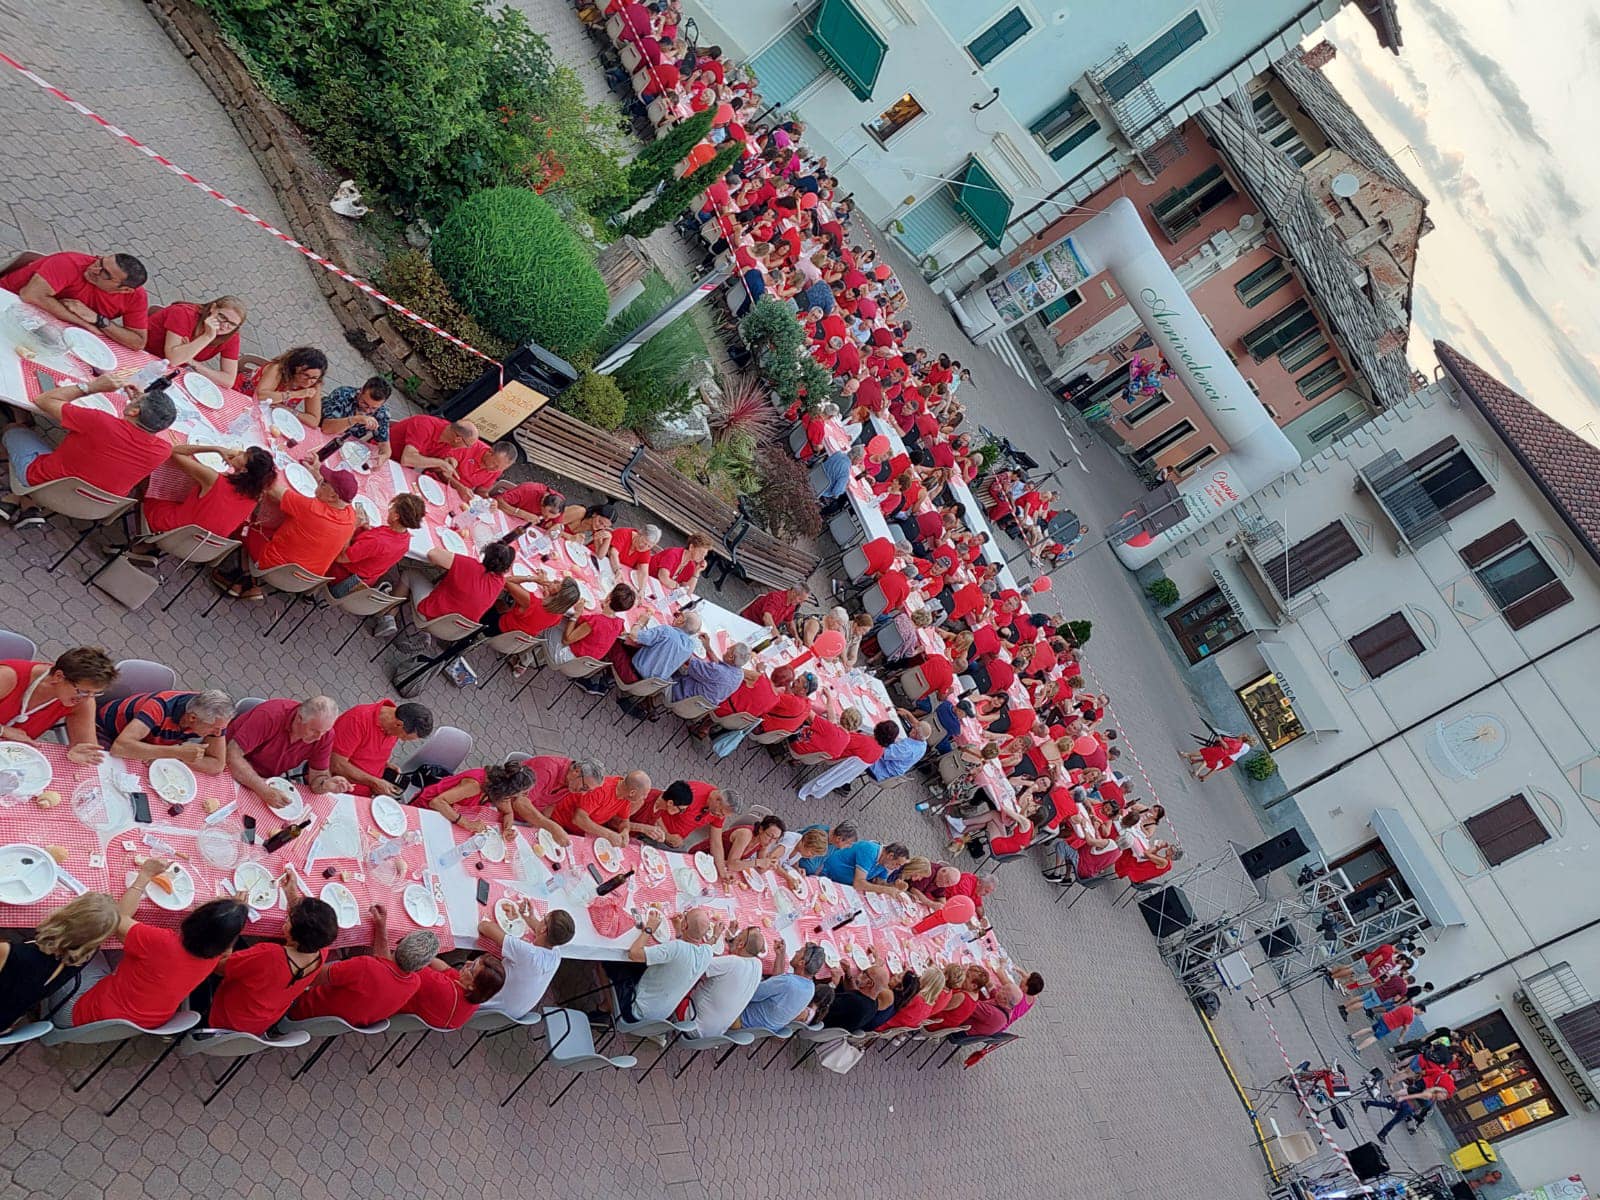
(1038, 281)
(1570, 1188)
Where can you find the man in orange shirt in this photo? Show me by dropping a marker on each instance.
(314, 529)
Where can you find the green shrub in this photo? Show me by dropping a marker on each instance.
(731, 467)
(786, 504)
(1162, 591)
(680, 194)
(655, 162)
(1260, 766)
(570, 145)
(814, 384)
(1075, 631)
(595, 399)
(771, 332)
(656, 379)
(410, 278)
(515, 265)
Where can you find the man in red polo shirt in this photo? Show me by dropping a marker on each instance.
(776, 609)
(557, 778)
(604, 811)
(532, 503)
(792, 707)
(426, 443)
(369, 988)
(92, 291)
(480, 465)
(675, 815)
(365, 736)
(757, 695)
(279, 736)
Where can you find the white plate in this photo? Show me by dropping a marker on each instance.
(756, 879)
(549, 848)
(831, 954)
(182, 894)
(259, 884)
(507, 917)
(286, 423)
(859, 957)
(356, 455)
(201, 390)
(608, 856)
(343, 902)
(432, 490)
(296, 808)
(494, 846)
(32, 769)
(706, 865)
(654, 862)
(99, 402)
(27, 874)
(172, 780)
(388, 815)
(421, 907)
(213, 460)
(300, 479)
(88, 348)
(451, 540)
(369, 510)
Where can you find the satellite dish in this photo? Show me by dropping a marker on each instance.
(1247, 222)
(1345, 185)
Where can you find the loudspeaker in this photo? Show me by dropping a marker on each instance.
(1167, 912)
(1260, 861)
(1368, 1162)
(1462, 1190)
(1280, 941)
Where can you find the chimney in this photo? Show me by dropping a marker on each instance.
(1392, 340)
(1319, 55)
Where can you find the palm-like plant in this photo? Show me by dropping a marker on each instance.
(743, 411)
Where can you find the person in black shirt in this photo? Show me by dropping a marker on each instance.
(47, 965)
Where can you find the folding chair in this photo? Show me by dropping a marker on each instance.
(726, 1042)
(327, 1028)
(137, 675)
(121, 1032)
(75, 500)
(240, 1047)
(188, 544)
(492, 1024)
(571, 1043)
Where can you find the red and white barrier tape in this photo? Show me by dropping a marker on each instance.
(1123, 739)
(325, 263)
(1322, 1129)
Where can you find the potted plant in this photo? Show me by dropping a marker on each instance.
(1163, 592)
(1260, 766)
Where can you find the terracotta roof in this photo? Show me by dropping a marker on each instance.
(1563, 465)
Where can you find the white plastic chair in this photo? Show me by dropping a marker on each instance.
(781, 1036)
(448, 627)
(814, 1038)
(491, 1024)
(726, 1042)
(571, 1043)
(327, 1028)
(74, 499)
(405, 1024)
(507, 645)
(21, 1036)
(690, 709)
(97, 1033)
(360, 603)
(577, 670)
(446, 747)
(670, 1030)
(230, 1043)
(137, 675)
(15, 645)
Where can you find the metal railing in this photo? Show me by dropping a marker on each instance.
(1139, 115)
(1407, 504)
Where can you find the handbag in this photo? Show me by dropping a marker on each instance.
(840, 1057)
(727, 742)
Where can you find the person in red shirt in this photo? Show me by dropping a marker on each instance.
(314, 530)
(259, 985)
(35, 697)
(364, 738)
(680, 566)
(463, 798)
(479, 467)
(556, 777)
(590, 633)
(823, 736)
(220, 501)
(632, 550)
(113, 453)
(532, 503)
(606, 810)
(777, 609)
(676, 814)
(190, 334)
(757, 695)
(790, 710)
(426, 443)
(159, 967)
(1398, 1019)
(446, 996)
(375, 550)
(869, 747)
(534, 610)
(91, 291)
(469, 587)
(372, 987)
(279, 736)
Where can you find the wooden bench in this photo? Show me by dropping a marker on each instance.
(560, 443)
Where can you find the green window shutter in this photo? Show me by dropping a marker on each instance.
(1159, 53)
(995, 40)
(1262, 282)
(1278, 330)
(788, 66)
(1321, 379)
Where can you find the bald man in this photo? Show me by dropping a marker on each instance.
(604, 812)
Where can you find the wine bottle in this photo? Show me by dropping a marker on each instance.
(331, 446)
(613, 883)
(285, 835)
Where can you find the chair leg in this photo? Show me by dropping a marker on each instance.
(468, 1051)
(187, 584)
(105, 566)
(73, 549)
(599, 700)
(671, 1041)
(101, 1065)
(387, 1050)
(225, 1080)
(532, 675)
(557, 1098)
(954, 1050)
(323, 1048)
(684, 1066)
(776, 1050)
(932, 1054)
(527, 1077)
(498, 667)
(421, 1037)
(172, 1044)
(810, 1050)
(312, 610)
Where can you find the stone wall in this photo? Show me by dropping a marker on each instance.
(303, 189)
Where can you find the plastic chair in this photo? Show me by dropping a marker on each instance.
(854, 564)
(97, 1033)
(669, 1030)
(449, 627)
(639, 690)
(360, 603)
(136, 675)
(405, 1024)
(913, 684)
(577, 670)
(327, 1028)
(735, 721)
(15, 645)
(21, 1036)
(726, 1042)
(880, 787)
(814, 1038)
(690, 709)
(507, 645)
(781, 1036)
(490, 1024)
(446, 747)
(229, 1043)
(188, 544)
(74, 499)
(241, 707)
(571, 1043)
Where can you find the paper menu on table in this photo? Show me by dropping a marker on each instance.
(421, 542)
(397, 473)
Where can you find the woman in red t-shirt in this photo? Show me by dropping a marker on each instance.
(221, 502)
(822, 736)
(680, 566)
(184, 333)
(159, 967)
(470, 586)
(376, 549)
(533, 610)
(261, 984)
(460, 798)
(446, 996)
(590, 633)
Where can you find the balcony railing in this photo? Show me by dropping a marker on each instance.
(1410, 509)
(1138, 114)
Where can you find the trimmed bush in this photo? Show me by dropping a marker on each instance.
(514, 264)
(595, 399)
(680, 194)
(1260, 767)
(1075, 631)
(410, 278)
(1163, 592)
(656, 379)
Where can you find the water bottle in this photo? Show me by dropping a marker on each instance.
(147, 376)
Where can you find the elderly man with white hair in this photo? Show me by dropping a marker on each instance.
(655, 651)
(711, 677)
(278, 737)
(903, 753)
(187, 726)
(729, 982)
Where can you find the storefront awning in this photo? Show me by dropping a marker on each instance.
(981, 202)
(1297, 678)
(1240, 594)
(1407, 845)
(848, 44)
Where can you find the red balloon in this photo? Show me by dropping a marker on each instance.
(829, 643)
(808, 200)
(724, 114)
(1138, 540)
(881, 271)
(879, 444)
(958, 910)
(1041, 585)
(1085, 745)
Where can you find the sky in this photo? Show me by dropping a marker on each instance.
(1493, 109)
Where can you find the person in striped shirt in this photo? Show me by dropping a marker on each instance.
(188, 726)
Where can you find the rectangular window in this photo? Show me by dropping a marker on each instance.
(1159, 53)
(1506, 830)
(1206, 625)
(1508, 1096)
(1311, 560)
(1276, 127)
(1059, 307)
(1262, 282)
(1328, 428)
(1163, 441)
(1143, 412)
(1515, 575)
(1065, 127)
(1303, 351)
(1451, 480)
(1386, 645)
(1180, 210)
(1279, 330)
(1270, 712)
(1195, 459)
(1321, 379)
(895, 118)
(999, 37)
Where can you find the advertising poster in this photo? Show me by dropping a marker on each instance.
(1033, 284)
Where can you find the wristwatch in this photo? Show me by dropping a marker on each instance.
(100, 321)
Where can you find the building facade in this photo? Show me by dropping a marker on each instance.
(1410, 625)
(963, 125)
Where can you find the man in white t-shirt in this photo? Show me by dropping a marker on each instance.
(657, 976)
(729, 982)
(530, 962)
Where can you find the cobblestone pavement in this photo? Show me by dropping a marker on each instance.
(1112, 1091)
